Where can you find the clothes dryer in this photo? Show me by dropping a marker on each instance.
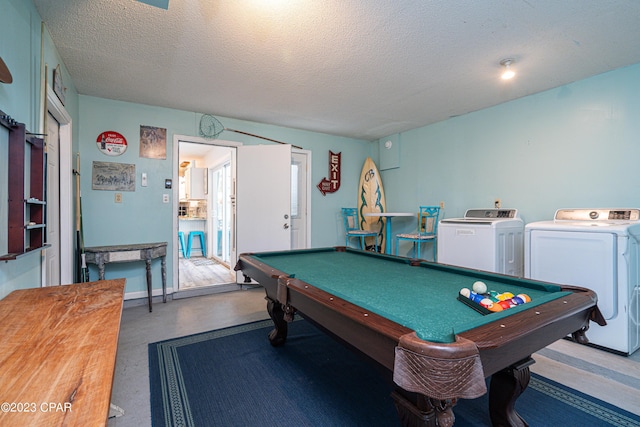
(595, 249)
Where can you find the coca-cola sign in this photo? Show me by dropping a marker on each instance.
(111, 143)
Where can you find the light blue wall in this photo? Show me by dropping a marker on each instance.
(142, 217)
(574, 146)
(21, 42)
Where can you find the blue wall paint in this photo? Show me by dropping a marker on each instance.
(142, 217)
(574, 146)
(21, 41)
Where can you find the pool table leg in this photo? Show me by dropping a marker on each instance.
(278, 336)
(417, 410)
(505, 388)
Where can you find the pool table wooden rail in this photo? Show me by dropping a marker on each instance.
(523, 334)
(366, 331)
(500, 349)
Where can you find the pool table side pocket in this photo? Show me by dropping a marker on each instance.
(439, 370)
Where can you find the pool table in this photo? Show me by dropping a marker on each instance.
(404, 314)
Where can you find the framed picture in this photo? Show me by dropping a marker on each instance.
(113, 176)
(153, 142)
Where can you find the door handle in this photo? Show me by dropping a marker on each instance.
(285, 226)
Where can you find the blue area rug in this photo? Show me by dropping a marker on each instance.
(234, 377)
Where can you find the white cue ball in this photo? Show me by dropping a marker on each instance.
(465, 292)
(479, 287)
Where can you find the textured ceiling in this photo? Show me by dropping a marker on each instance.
(359, 68)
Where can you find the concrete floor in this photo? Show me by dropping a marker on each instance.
(612, 378)
(176, 318)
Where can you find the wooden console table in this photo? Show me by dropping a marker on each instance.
(102, 255)
(58, 353)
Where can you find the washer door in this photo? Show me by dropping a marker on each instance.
(577, 258)
(466, 244)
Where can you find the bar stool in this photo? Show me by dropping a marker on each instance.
(203, 248)
(183, 248)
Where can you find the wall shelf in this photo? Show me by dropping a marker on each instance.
(26, 231)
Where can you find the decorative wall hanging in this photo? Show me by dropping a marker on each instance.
(58, 85)
(332, 184)
(113, 176)
(153, 142)
(111, 143)
(211, 128)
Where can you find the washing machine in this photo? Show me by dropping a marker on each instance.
(595, 249)
(484, 239)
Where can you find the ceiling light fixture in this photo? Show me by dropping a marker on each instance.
(508, 71)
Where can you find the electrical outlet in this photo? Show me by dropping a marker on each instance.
(165, 198)
(118, 198)
(497, 204)
(441, 205)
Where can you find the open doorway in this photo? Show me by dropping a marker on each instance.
(204, 216)
(207, 205)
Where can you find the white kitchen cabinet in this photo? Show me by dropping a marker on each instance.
(196, 183)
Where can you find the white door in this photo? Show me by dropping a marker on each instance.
(263, 198)
(53, 202)
(64, 216)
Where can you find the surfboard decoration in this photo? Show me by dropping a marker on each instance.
(371, 200)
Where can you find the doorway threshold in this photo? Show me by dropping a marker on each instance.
(212, 289)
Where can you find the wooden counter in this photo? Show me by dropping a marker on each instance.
(58, 353)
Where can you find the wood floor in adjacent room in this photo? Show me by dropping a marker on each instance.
(200, 271)
(612, 378)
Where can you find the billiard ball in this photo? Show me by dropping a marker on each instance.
(465, 292)
(517, 300)
(475, 297)
(507, 295)
(505, 304)
(493, 295)
(479, 287)
(525, 297)
(495, 308)
(486, 302)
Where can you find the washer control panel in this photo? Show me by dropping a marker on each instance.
(491, 213)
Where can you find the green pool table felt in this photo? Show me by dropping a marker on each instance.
(421, 298)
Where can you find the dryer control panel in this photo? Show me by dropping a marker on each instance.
(598, 215)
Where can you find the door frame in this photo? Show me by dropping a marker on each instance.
(308, 189)
(176, 196)
(59, 112)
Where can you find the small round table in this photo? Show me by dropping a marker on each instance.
(389, 216)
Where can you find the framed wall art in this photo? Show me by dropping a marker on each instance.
(113, 176)
(153, 142)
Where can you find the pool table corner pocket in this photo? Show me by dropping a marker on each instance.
(439, 370)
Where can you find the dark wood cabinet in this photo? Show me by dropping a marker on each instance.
(26, 216)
